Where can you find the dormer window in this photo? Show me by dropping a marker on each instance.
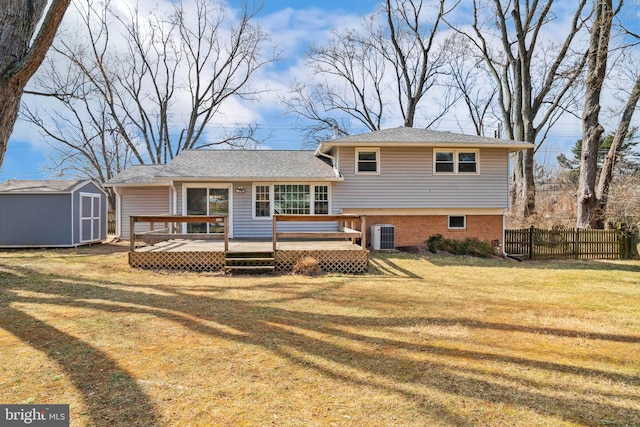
(367, 160)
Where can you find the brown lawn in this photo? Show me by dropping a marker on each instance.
(421, 340)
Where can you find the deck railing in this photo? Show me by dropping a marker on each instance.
(173, 230)
(349, 227)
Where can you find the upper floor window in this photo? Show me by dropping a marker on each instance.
(455, 161)
(367, 160)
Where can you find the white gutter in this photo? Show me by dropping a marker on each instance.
(333, 162)
(118, 212)
(174, 197)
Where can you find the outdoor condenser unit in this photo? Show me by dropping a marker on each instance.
(382, 236)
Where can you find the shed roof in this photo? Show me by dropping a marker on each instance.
(413, 136)
(53, 186)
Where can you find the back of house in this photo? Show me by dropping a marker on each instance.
(420, 182)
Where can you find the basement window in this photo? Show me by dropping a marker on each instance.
(457, 222)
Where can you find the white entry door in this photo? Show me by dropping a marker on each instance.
(90, 217)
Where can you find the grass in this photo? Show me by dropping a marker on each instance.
(422, 340)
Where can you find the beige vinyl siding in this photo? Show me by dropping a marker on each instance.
(406, 180)
(141, 201)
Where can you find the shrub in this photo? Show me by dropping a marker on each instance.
(469, 246)
(307, 266)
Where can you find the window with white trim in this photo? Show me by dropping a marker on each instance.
(457, 222)
(262, 204)
(367, 160)
(290, 199)
(321, 200)
(455, 161)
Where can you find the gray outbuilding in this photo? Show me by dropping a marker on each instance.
(52, 213)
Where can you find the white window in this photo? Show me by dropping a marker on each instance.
(455, 161)
(367, 160)
(262, 204)
(458, 222)
(290, 199)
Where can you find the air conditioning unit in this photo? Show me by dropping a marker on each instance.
(382, 236)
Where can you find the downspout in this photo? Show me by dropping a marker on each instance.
(333, 162)
(118, 213)
(72, 221)
(174, 198)
(504, 235)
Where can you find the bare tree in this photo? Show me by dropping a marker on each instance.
(152, 93)
(468, 76)
(533, 76)
(592, 130)
(369, 75)
(592, 202)
(25, 42)
(606, 175)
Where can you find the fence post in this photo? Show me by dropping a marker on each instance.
(576, 243)
(531, 233)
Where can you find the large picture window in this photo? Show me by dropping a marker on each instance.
(290, 199)
(455, 161)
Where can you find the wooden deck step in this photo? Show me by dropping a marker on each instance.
(249, 261)
(250, 267)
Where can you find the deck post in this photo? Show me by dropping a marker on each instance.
(363, 230)
(132, 237)
(273, 233)
(225, 221)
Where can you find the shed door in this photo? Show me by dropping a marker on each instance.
(89, 217)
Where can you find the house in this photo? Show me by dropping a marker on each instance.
(422, 182)
(52, 213)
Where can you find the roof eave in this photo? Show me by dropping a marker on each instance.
(516, 146)
(253, 179)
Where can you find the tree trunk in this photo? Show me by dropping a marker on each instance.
(606, 175)
(10, 95)
(587, 202)
(21, 53)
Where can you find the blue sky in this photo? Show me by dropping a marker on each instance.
(304, 20)
(295, 24)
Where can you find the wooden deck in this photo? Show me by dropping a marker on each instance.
(336, 251)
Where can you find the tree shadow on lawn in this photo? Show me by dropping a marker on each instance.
(446, 260)
(289, 334)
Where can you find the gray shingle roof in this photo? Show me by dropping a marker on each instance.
(226, 165)
(19, 186)
(248, 164)
(406, 135)
(138, 174)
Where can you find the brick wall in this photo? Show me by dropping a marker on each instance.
(414, 230)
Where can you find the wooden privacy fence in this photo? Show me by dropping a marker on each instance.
(111, 222)
(534, 243)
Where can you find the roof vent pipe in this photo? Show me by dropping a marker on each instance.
(335, 131)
